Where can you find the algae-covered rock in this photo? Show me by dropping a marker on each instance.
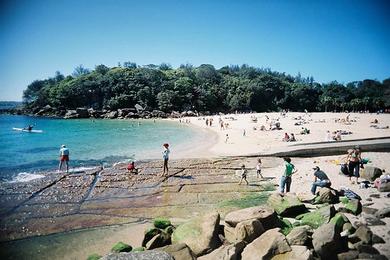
(138, 249)
(161, 223)
(121, 247)
(352, 206)
(149, 234)
(286, 226)
(265, 215)
(200, 234)
(339, 220)
(94, 257)
(149, 255)
(318, 217)
(286, 205)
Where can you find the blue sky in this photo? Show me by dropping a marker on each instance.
(329, 40)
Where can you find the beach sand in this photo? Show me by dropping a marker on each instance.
(258, 142)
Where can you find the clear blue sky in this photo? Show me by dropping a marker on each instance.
(329, 40)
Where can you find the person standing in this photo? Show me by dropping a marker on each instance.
(286, 180)
(244, 174)
(258, 169)
(320, 180)
(165, 158)
(353, 160)
(64, 158)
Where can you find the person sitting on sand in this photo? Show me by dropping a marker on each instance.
(375, 121)
(320, 180)
(353, 160)
(166, 158)
(285, 181)
(131, 168)
(305, 131)
(286, 137)
(258, 169)
(292, 138)
(244, 173)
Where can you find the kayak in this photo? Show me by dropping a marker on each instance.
(28, 131)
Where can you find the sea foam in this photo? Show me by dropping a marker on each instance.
(25, 177)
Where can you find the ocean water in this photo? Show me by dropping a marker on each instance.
(91, 142)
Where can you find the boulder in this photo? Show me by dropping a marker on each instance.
(82, 112)
(200, 234)
(225, 252)
(318, 217)
(269, 244)
(352, 206)
(112, 114)
(246, 231)
(364, 234)
(149, 255)
(326, 195)
(265, 215)
(178, 251)
(296, 253)
(70, 114)
(121, 247)
(349, 255)
(327, 241)
(159, 240)
(299, 235)
(161, 223)
(383, 212)
(370, 173)
(286, 205)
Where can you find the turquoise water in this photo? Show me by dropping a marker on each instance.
(91, 142)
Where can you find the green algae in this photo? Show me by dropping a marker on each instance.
(161, 223)
(286, 226)
(94, 257)
(248, 201)
(121, 247)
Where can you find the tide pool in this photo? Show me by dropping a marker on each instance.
(91, 142)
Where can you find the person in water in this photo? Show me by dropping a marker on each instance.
(29, 127)
(165, 158)
(286, 180)
(64, 157)
(320, 180)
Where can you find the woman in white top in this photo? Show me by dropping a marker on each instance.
(166, 158)
(258, 169)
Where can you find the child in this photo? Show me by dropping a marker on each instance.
(258, 169)
(288, 172)
(243, 175)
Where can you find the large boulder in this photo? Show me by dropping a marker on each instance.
(269, 244)
(318, 217)
(265, 215)
(296, 253)
(370, 173)
(287, 205)
(146, 255)
(351, 206)
(327, 241)
(225, 252)
(179, 251)
(326, 195)
(200, 234)
(299, 235)
(246, 231)
(82, 112)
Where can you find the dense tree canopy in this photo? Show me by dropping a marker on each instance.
(202, 88)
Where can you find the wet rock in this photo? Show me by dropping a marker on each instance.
(121, 247)
(370, 173)
(350, 255)
(265, 215)
(146, 255)
(326, 195)
(299, 235)
(225, 252)
(269, 244)
(318, 217)
(200, 234)
(296, 253)
(179, 251)
(352, 206)
(327, 241)
(287, 205)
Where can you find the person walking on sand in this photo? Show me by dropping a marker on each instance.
(353, 160)
(226, 138)
(244, 173)
(258, 169)
(320, 180)
(166, 158)
(64, 157)
(289, 170)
